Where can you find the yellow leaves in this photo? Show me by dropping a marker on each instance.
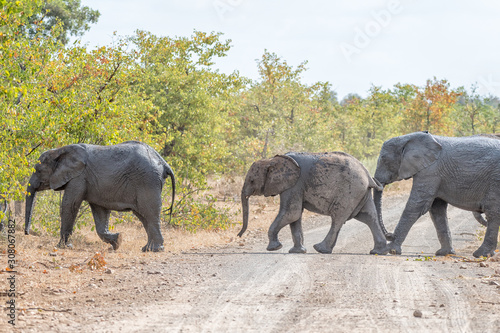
(97, 262)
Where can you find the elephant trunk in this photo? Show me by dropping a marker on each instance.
(244, 205)
(377, 197)
(30, 201)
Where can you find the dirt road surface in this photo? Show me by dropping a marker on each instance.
(239, 287)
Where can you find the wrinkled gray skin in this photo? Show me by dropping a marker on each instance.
(463, 172)
(125, 177)
(333, 184)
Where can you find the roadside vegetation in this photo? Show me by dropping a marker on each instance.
(167, 92)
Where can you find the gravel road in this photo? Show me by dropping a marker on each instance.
(242, 288)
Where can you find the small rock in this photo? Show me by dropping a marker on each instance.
(494, 283)
(108, 271)
(417, 313)
(483, 264)
(463, 267)
(496, 257)
(52, 254)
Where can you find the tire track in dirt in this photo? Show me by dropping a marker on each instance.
(276, 280)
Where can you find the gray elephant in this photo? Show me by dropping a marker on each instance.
(334, 184)
(463, 172)
(125, 177)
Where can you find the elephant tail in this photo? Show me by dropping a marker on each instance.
(168, 172)
(373, 183)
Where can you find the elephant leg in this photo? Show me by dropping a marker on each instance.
(487, 249)
(290, 211)
(101, 219)
(338, 220)
(419, 203)
(70, 205)
(298, 237)
(327, 245)
(155, 239)
(440, 220)
(148, 211)
(368, 215)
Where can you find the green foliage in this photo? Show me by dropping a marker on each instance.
(278, 106)
(191, 102)
(428, 108)
(193, 212)
(475, 114)
(51, 96)
(46, 214)
(73, 18)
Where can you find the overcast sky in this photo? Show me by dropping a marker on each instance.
(351, 44)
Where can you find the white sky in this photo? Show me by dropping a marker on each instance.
(351, 44)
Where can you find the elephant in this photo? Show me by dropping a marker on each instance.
(128, 176)
(334, 184)
(460, 171)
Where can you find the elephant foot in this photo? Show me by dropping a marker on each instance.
(444, 252)
(380, 248)
(152, 247)
(64, 245)
(297, 249)
(394, 248)
(274, 246)
(116, 243)
(381, 251)
(321, 248)
(482, 252)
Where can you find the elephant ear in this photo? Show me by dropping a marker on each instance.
(70, 163)
(282, 173)
(418, 153)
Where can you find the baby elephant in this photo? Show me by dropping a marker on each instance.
(334, 184)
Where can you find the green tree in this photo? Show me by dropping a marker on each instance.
(74, 19)
(474, 113)
(280, 111)
(191, 101)
(192, 106)
(51, 96)
(427, 108)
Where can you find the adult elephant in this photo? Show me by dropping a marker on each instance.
(334, 184)
(463, 172)
(125, 177)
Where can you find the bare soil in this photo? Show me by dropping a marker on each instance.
(216, 282)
